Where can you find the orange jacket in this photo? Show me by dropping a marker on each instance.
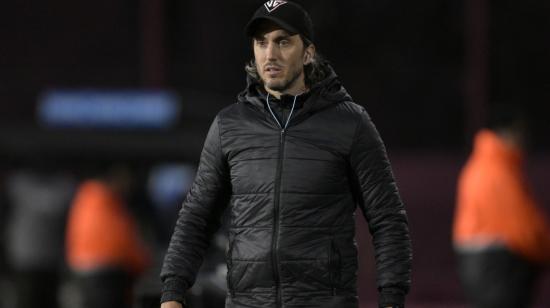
(494, 204)
(101, 232)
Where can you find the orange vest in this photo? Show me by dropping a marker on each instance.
(494, 204)
(101, 232)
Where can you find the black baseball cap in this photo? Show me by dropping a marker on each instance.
(289, 15)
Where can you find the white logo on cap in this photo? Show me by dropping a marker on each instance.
(273, 5)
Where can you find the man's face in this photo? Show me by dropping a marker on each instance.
(280, 59)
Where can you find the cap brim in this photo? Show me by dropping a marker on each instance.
(250, 28)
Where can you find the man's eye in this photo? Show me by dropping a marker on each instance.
(261, 43)
(284, 43)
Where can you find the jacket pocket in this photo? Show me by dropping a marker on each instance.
(334, 266)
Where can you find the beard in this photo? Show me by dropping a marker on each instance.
(282, 85)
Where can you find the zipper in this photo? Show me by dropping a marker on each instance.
(277, 201)
(331, 267)
(275, 237)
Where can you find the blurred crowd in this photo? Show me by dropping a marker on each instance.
(93, 237)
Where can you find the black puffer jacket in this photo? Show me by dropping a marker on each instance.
(292, 196)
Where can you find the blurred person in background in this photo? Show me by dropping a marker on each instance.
(167, 186)
(500, 235)
(38, 198)
(104, 248)
(168, 183)
(293, 159)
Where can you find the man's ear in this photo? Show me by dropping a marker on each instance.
(309, 54)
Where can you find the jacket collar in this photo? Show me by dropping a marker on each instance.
(327, 92)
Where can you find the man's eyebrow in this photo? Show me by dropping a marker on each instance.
(279, 37)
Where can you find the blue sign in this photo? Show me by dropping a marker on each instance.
(109, 109)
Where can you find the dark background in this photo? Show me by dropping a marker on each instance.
(429, 72)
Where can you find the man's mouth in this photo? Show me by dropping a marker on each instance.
(272, 70)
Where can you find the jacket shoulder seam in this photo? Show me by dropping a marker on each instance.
(357, 128)
(218, 120)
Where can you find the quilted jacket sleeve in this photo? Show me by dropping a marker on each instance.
(379, 199)
(198, 219)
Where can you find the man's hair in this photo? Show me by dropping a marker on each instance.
(317, 70)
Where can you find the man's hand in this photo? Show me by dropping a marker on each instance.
(171, 304)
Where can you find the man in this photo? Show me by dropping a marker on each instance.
(293, 159)
(500, 235)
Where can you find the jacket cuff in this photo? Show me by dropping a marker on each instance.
(391, 297)
(173, 290)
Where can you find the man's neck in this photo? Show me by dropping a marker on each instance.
(292, 92)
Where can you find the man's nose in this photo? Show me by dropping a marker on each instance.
(272, 51)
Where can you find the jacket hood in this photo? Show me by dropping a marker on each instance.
(324, 93)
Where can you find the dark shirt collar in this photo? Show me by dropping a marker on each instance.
(286, 100)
